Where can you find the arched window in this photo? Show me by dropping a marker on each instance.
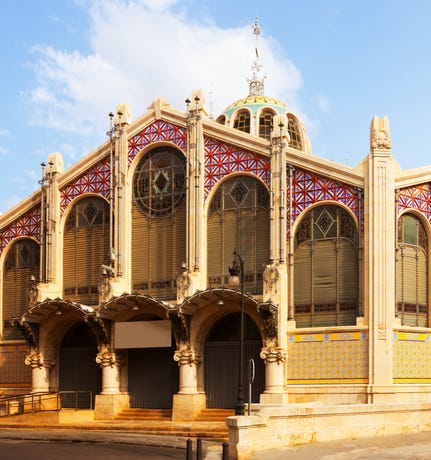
(158, 222)
(21, 269)
(86, 248)
(242, 121)
(265, 124)
(293, 130)
(326, 268)
(239, 219)
(412, 272)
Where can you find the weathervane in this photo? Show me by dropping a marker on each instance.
(256, 84)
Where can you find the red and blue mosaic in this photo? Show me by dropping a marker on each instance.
(222, 159)
(417, 197)
(156, 132)
(27, 225)
(95, 180)
(309, 188)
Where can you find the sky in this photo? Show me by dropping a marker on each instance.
(335, 63)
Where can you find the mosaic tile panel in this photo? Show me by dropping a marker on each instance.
(308, 188)
(416, 197)
(95, 180)
(222, 159)
(156, 132)
(328, 358)
(26, 225)
(13, 371)
(412, 357)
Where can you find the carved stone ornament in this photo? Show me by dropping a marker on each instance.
(379, 133)
(187, 356)
(108, 358)
(271, 276)
(104, 288)
(381, 332)
(183, 282)
(38, 360)
(33, 294)
(273, 355)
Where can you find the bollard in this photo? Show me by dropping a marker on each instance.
(189, 450)
(225, 455)
(199, 449)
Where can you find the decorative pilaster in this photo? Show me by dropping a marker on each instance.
(195, 242)
(40, 367)
(379, 279)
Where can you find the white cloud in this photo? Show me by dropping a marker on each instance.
(150, 48)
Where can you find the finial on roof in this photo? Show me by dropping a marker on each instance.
(256, 83)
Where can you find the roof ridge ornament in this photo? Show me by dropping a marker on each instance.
(256, 83)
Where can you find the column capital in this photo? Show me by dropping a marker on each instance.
(187, 356)
(108, 359)
(273, 355)
(37, 360)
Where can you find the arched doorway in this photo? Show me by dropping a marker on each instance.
(222, 360)
(153, 374)
(78, 370)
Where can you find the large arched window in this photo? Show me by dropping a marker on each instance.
(86, 248)
(239, 219)
(265, 124)
(158, 222)
(412, 272)
(293, 130)
(242, 121)
(21, 270)
(326, 268)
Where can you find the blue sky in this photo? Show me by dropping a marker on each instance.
(66, 64)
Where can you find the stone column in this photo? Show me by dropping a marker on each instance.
(40, 367)
(275, 359)
(188, 402)
(187, 362)
(110, 364)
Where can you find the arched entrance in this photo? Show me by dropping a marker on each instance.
(78, 370)
(153, 375)
(222, 360)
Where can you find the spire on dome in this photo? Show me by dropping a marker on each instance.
(256, 83)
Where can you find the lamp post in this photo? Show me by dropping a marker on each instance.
(237, 278)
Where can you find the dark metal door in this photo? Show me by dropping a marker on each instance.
(153, 377)
(222, 362)
(79, 373)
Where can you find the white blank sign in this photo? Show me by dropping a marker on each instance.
(143, 334)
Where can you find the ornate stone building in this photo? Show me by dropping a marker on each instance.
(114, 274)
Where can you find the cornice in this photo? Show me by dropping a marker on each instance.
(19, 209)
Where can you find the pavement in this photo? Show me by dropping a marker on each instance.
(411, 446)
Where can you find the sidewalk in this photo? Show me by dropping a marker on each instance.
(413, 446)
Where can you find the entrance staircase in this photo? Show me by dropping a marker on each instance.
(210, 424)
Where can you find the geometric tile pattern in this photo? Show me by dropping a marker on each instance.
(328, 358)
(13, 371)
(26, 225)
(309, 188)
(222, 159)
(416, 197)
(95, 180)
(157, 131)
(412, 357)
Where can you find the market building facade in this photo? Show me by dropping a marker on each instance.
(115, 273)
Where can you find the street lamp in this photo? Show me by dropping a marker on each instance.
(237, 278)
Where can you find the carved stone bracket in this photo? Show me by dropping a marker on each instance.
(108, 358)
(187, 357)
(273, 355)
(104, 288)
(180, 326)
(37, 360)
(269, 315)
(30, 331)
(101, 328)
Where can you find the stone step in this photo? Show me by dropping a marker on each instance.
(144, 414)
(214, 415)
